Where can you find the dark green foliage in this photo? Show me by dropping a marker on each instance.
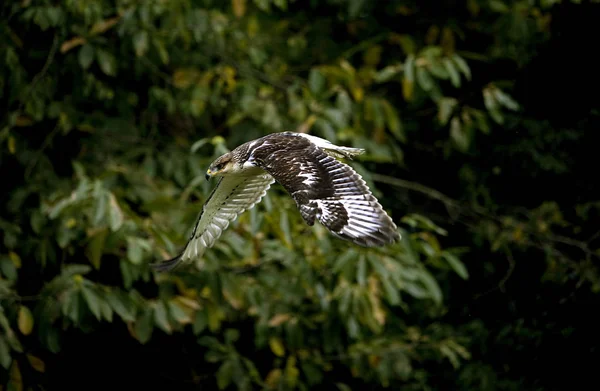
(114, 109)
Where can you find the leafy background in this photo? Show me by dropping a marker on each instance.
(477, 117)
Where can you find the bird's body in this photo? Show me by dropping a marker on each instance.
(324, 189)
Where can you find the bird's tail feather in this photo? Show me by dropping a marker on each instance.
(168, 264)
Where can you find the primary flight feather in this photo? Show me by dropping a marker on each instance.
(324, 189)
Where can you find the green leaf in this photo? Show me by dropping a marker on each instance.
(446, 107)
(391, 292)
(424, 79)
(178, 313)
(505, 100)
(343, 102)
(25, 320)
(336, 117)
(144, 325)
(95, 247)
(409, 68)
(462, 65)
(224, 375)
(316, 81)
(452, 72)
(86, 56)
(431, 285)
(140, 43)
(361, 270)
(121, 304)
(459, 135)
(160, 317)
(276, 346)
(134, 251)
(37, 221)
(8, 268)
(456, 265)
(107, 62)
(343, 387)
(200, 322)
(93, 301)
(100, 198)
(5, 358)
(393, 121)
(284, 225)
(70, 305)
(115, 213)
(387, 73)
(162, 51)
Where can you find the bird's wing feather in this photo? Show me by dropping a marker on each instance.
(232, 196)
(327, 190)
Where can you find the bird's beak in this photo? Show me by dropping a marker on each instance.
(208, 174)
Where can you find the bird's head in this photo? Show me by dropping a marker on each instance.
(223, 165)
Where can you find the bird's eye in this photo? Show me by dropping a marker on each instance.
(219, 166)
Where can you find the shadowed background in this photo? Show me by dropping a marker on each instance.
(477, 119)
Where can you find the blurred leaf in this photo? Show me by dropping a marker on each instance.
(140, 43)
(276, 346)
(86, 56)
(424, 79)
(92, 300)
(224, 375)
(446, 107)
(456, 265)
(115, 213)
(16, 378)
(36, 363)
(134, 251)
(459, 135)
(452, 72)
(393, 121)
(95, 247)
(107, 62)
(5, 358)
(25, 320)
(239, 7)
(316, 81)
(279, 319)
(121, 304)
(144, 325)
(160, 317)
(462, 65)
(432, 286)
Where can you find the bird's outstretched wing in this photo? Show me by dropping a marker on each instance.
(232, 196)
(327, 190)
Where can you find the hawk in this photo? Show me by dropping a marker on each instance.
(324, 189)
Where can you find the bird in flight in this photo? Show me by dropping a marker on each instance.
(324, 189)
